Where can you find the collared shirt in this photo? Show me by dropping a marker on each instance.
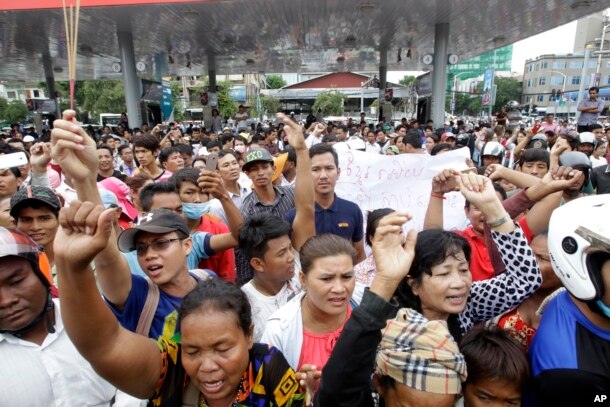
(373, 148)
(284, 201)
(342, 218)
(216, 208)
(127, 170)
(312, 140)
(546, 126)
(50, 374)
(587, 118)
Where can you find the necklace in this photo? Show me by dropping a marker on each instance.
(238, 396)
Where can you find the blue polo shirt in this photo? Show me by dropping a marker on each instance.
(342, 218)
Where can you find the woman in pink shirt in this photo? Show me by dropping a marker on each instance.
(307, 327)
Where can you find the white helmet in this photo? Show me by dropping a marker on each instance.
(587, 137)
(579, 244)
(493, 148)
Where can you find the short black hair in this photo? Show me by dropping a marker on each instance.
(491, 353)
(440, 147)
(122, 147)
(226, 138)
(148, 192)
(257, 230)
(226, 152)
(183, 175)
(166, 152)
(292, 154)
(107, 148)
(185, 149)
(146, 141)
(531, 155)
(322, 148)
(220, 296)
(413, 138)
(213, 144)
(595, 88)
(372, 221)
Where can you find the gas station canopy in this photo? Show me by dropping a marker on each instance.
(249, 36)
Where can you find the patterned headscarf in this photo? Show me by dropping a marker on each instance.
(421, 354)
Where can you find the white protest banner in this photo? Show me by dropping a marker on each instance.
(401, 182)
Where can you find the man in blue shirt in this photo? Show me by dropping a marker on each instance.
(589, 109)
(333, 214)
(570, 353)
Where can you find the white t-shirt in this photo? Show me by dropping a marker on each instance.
(51, 374)
(241, 119)
(263, 306)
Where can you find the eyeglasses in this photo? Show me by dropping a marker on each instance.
(156, 245)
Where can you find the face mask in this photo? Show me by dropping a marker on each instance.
(195, 210)
(240, 149)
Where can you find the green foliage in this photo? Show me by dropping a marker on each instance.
(508, 89)
(3, 106)
(331, 103)
(275, 81)
(407, 80)
(104, 97)
(15, 112)
(177, 101)
(270, 104)
(227, 106)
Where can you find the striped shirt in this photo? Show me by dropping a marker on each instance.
(284, 201)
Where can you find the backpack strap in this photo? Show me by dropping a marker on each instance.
(190, 398)
(202, 274)
(150, 306)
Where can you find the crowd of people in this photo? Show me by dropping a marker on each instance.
(217, 266)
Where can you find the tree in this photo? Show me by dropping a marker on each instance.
(275, 81)
(177, 101)
(15, 112)
(226, 104)
(408, 80)
(331, 103)
(508, 89)
(3, 106)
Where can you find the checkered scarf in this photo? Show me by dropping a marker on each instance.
(421, 354)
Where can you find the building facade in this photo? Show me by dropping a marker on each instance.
(551, 82)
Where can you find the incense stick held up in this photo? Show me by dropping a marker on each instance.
(71, 17)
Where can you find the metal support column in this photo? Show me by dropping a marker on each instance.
(583, 76)
(383, 75)
(130, 78)
(439, 73)
(47, 64)
(212, 73)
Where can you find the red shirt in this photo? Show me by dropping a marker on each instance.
(480, 264)
(223, 262)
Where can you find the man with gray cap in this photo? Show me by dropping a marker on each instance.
(161, 241)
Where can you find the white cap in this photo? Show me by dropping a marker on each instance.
(28, 139)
